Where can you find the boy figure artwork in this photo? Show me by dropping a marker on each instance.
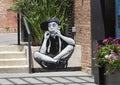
(56, 48)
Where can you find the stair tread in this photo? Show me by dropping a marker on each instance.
(16, 59)
(11, 52)
(23, 66)
(11, 48)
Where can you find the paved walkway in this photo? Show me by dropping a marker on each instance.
(8, 38)
(48, 78)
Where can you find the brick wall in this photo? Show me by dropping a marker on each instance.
(7, 19)
(83, 35)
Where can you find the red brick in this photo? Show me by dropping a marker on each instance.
(7, 19)
(83, 36)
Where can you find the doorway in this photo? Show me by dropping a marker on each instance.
(108, 12)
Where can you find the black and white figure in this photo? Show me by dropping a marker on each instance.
(56, 48)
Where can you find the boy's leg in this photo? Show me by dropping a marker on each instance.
(41, 57)
(64, 53)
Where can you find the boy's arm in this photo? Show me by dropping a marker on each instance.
(44, 44)
(68, 40)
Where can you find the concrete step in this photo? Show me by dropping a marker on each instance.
(14, 69)
(12, 55)
(13, 59)
(13, 62)
(11, 48)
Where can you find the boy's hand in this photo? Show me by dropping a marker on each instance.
(58, 33)
(46, 35)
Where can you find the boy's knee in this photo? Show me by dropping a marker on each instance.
(70, 47)
(36, 54)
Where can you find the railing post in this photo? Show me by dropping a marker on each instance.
(18, 23)
(30, 54)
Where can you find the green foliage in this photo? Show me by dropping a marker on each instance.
(108, 54)
(38, 11)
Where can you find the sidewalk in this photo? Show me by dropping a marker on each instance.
(48, 78)
(8, 38)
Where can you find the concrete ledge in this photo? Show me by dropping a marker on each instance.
(75, 59)
(34, 70)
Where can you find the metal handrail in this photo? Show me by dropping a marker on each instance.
(29, 45)
(29, 39)
(26, 25)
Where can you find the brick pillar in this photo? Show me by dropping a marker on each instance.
(8, 21)
(82, 22)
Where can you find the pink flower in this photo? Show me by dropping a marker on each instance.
(110, 56)
(94, 52)
(117, 44)
(116, 41)
(110, 38)
(115, 56)
(105, 41)
(99, 46)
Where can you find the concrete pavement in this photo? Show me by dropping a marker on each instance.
(8, 38)
(48, 78)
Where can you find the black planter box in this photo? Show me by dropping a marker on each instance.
(99, 76)
(110, 79)
(113, 79)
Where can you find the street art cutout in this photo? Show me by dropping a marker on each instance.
(56, 48)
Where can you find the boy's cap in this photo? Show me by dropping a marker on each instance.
(44, 25)
(54, 19)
